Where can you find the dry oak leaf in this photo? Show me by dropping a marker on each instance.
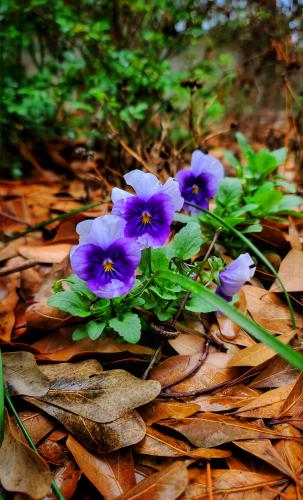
(70, 372)
(277, 374)
(46, 254)
(257, 354)
(269, 311)
(103, 397)
(262, 448)
(22, 375)
(207, 430)
(214, 370)
(112, 474)
(167, 484)
(290, 272)
(267, 405)
(290, 450)
(230, 485)
(99, 438)
(8, 301)
(158, 444)
(21, 469)
(226, 399)
(159, 410)
(36, 424)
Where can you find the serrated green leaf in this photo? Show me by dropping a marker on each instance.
(128, 326)
(71, 302)
(187, 242)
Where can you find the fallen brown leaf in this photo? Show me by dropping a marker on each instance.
(290, 272)
(290, 450)
(47, 254)
(208, 430)
(22, 375)
(67, 478)
(293, 405)
(158, 410)
(8, 301)
(267, 405)
(112, 474)
(162, 445)
(21, 469)
(103, 397)
(169, 483)
(278, 373)
(226, 399)
(36, 424)
(99, 438)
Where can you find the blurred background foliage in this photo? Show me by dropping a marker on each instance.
(165, 71)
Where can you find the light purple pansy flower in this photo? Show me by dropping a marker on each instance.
(105, 258)
(150, 212)
(235, 276)
(200, 183)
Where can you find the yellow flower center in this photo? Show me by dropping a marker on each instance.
(195, 189)
(146, 218)
(108, 265)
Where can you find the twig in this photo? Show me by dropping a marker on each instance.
(55, 487)
(14, 219)
(187, 295)
(199, 363)
(5, 271)
(209, 481)
(157, 352)
(55, 219)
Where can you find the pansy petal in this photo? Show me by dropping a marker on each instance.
(201, 163)
(171, 187)
(236, 275)
(119, 194)
(115, 288)
(107, 229)
(83, 229)
(145, 184)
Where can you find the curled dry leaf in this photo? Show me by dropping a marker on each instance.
(207, 430)
(174, 368)
(104, 397)
(169, 483)
(22, 375)
(112, 474)
(41, 316)
(21, 469)
(187, 343)
(99, 438)
(162, 445)
(231, 485)
(54, 453)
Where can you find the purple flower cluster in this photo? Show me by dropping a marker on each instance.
(235, 276)
(109, 247)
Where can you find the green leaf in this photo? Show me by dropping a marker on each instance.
(229, 192)
(280, 155)
(92, 329)
(244, 145)
(76, 284)
(233, 160)
(187, 242)
(266, 197)
(71, 302)
(128, 327)
(213, 300)
(198, 305)
(265, 162)
(287, 202)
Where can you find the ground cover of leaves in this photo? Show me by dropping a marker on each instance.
(229, 427)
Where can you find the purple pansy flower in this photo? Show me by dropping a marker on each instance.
(105, 258)
(235, 276)
(200, 183)
(150, 212)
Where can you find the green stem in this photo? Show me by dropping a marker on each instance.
(55, 487)
(50, 221)
(257, 252)
(149, 259)
(1, 400)
(247, 324)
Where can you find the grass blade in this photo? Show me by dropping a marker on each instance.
(286, 352)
